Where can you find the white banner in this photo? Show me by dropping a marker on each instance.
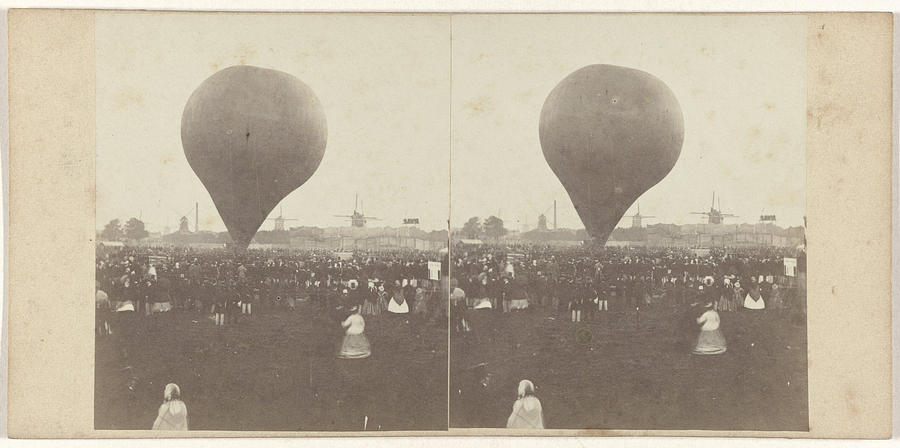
(434, 270)
(790, 267)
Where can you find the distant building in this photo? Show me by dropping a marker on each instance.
(365, 238)
(708, 235)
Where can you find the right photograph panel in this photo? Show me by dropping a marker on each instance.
(628, 207)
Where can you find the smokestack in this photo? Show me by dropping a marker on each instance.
(196, 217)
(554, 214)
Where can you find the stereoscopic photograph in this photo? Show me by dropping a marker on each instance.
(449, 224)
(628, 212)
(271, 222)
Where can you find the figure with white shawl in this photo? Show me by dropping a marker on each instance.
(173, 412)
(711, 340)
(355, 344)
(754, 299)
(527, 412)
(398, 303)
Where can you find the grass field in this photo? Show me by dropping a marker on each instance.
(631, 371)
(274, 372)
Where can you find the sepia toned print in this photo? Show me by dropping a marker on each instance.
(271, 227)
(627, 225)
(596, 285)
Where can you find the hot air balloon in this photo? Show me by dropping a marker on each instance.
(609, 134)
(252, 136)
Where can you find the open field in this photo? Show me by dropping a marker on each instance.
(269, 372)
(630, 371)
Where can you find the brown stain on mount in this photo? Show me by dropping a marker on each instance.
(754, 133)
(478, 106)
(852, 402)
(127, 98)
(244, 54)
(827, 115)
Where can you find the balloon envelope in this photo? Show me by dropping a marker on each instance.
(252, 136)
(609, 134)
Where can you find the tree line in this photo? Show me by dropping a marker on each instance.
(133, 229)
(492, 228)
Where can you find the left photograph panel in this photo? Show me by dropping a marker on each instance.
(272, 203)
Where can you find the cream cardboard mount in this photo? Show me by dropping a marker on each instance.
(54, 83)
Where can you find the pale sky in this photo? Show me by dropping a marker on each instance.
(385, 84)
(741, 83)
(383, 81)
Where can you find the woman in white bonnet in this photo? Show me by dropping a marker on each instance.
(527, 411)
(172, 413)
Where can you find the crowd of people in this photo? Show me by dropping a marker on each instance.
(148, 280)
(584, 282)
(135, 283)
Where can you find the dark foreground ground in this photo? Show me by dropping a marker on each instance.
(274, 372)
(628, 372)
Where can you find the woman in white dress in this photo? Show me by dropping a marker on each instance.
(355, 344)
(711, 340)
(173, 412)
(527, 412)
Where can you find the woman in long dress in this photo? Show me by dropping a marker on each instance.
(355, 344)
(371, 296)
(382, 301)
(173, 412)
(527, 412)
(737, 297)
(711, 341)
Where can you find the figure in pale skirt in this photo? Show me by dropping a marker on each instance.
(711, 340)
(355, 345)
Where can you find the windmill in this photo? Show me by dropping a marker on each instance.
(279, 221)
(637, 217)
(542, 217)
(714, 215)
(357, 219)
(184, 222)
